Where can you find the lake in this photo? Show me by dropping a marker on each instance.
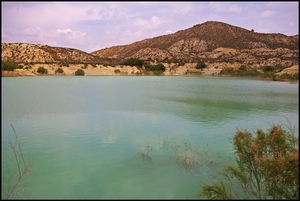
(112, 137)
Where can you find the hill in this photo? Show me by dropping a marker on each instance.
(210, 41)
(217, 44)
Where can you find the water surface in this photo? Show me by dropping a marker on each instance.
(84, 134)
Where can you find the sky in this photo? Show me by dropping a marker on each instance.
(89, 26)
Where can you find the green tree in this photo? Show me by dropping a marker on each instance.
(79, 72)
(134, 62)
(267, 167)
(10, 66)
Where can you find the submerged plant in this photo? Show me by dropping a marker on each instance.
(146, 152)
(186, 160)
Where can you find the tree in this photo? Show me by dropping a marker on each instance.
(267, 167)
(10, 66)
(134, 62)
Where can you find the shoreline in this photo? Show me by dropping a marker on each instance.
(123, 70)
(15, 74)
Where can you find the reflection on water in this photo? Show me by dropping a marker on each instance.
(85, 133)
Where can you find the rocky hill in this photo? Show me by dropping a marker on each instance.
(213, 42)
(217, 44)
(36, 53)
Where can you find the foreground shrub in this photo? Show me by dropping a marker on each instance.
(267, 167)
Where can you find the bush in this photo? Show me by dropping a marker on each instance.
(267, 167)
(42, 70)
(200, 65)
(79, 72)
(291, 77)
(59, 70)
(243, 68)
(241, 71)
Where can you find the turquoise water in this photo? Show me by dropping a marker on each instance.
(85, 135)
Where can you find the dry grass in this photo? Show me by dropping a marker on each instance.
(16, 182)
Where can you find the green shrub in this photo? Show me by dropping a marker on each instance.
(267, 167)
(59, 70)
(42, 70)
(79, 72)
(241, 71)
(200, 65)
(268, 68)
(227, 71)
(243, 68)
(117, 71)
(291, 77)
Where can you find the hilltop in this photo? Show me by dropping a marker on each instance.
(195, 42)
(217, 44)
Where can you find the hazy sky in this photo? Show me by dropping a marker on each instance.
(90, 26)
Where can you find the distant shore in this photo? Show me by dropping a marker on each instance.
(123, 70)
